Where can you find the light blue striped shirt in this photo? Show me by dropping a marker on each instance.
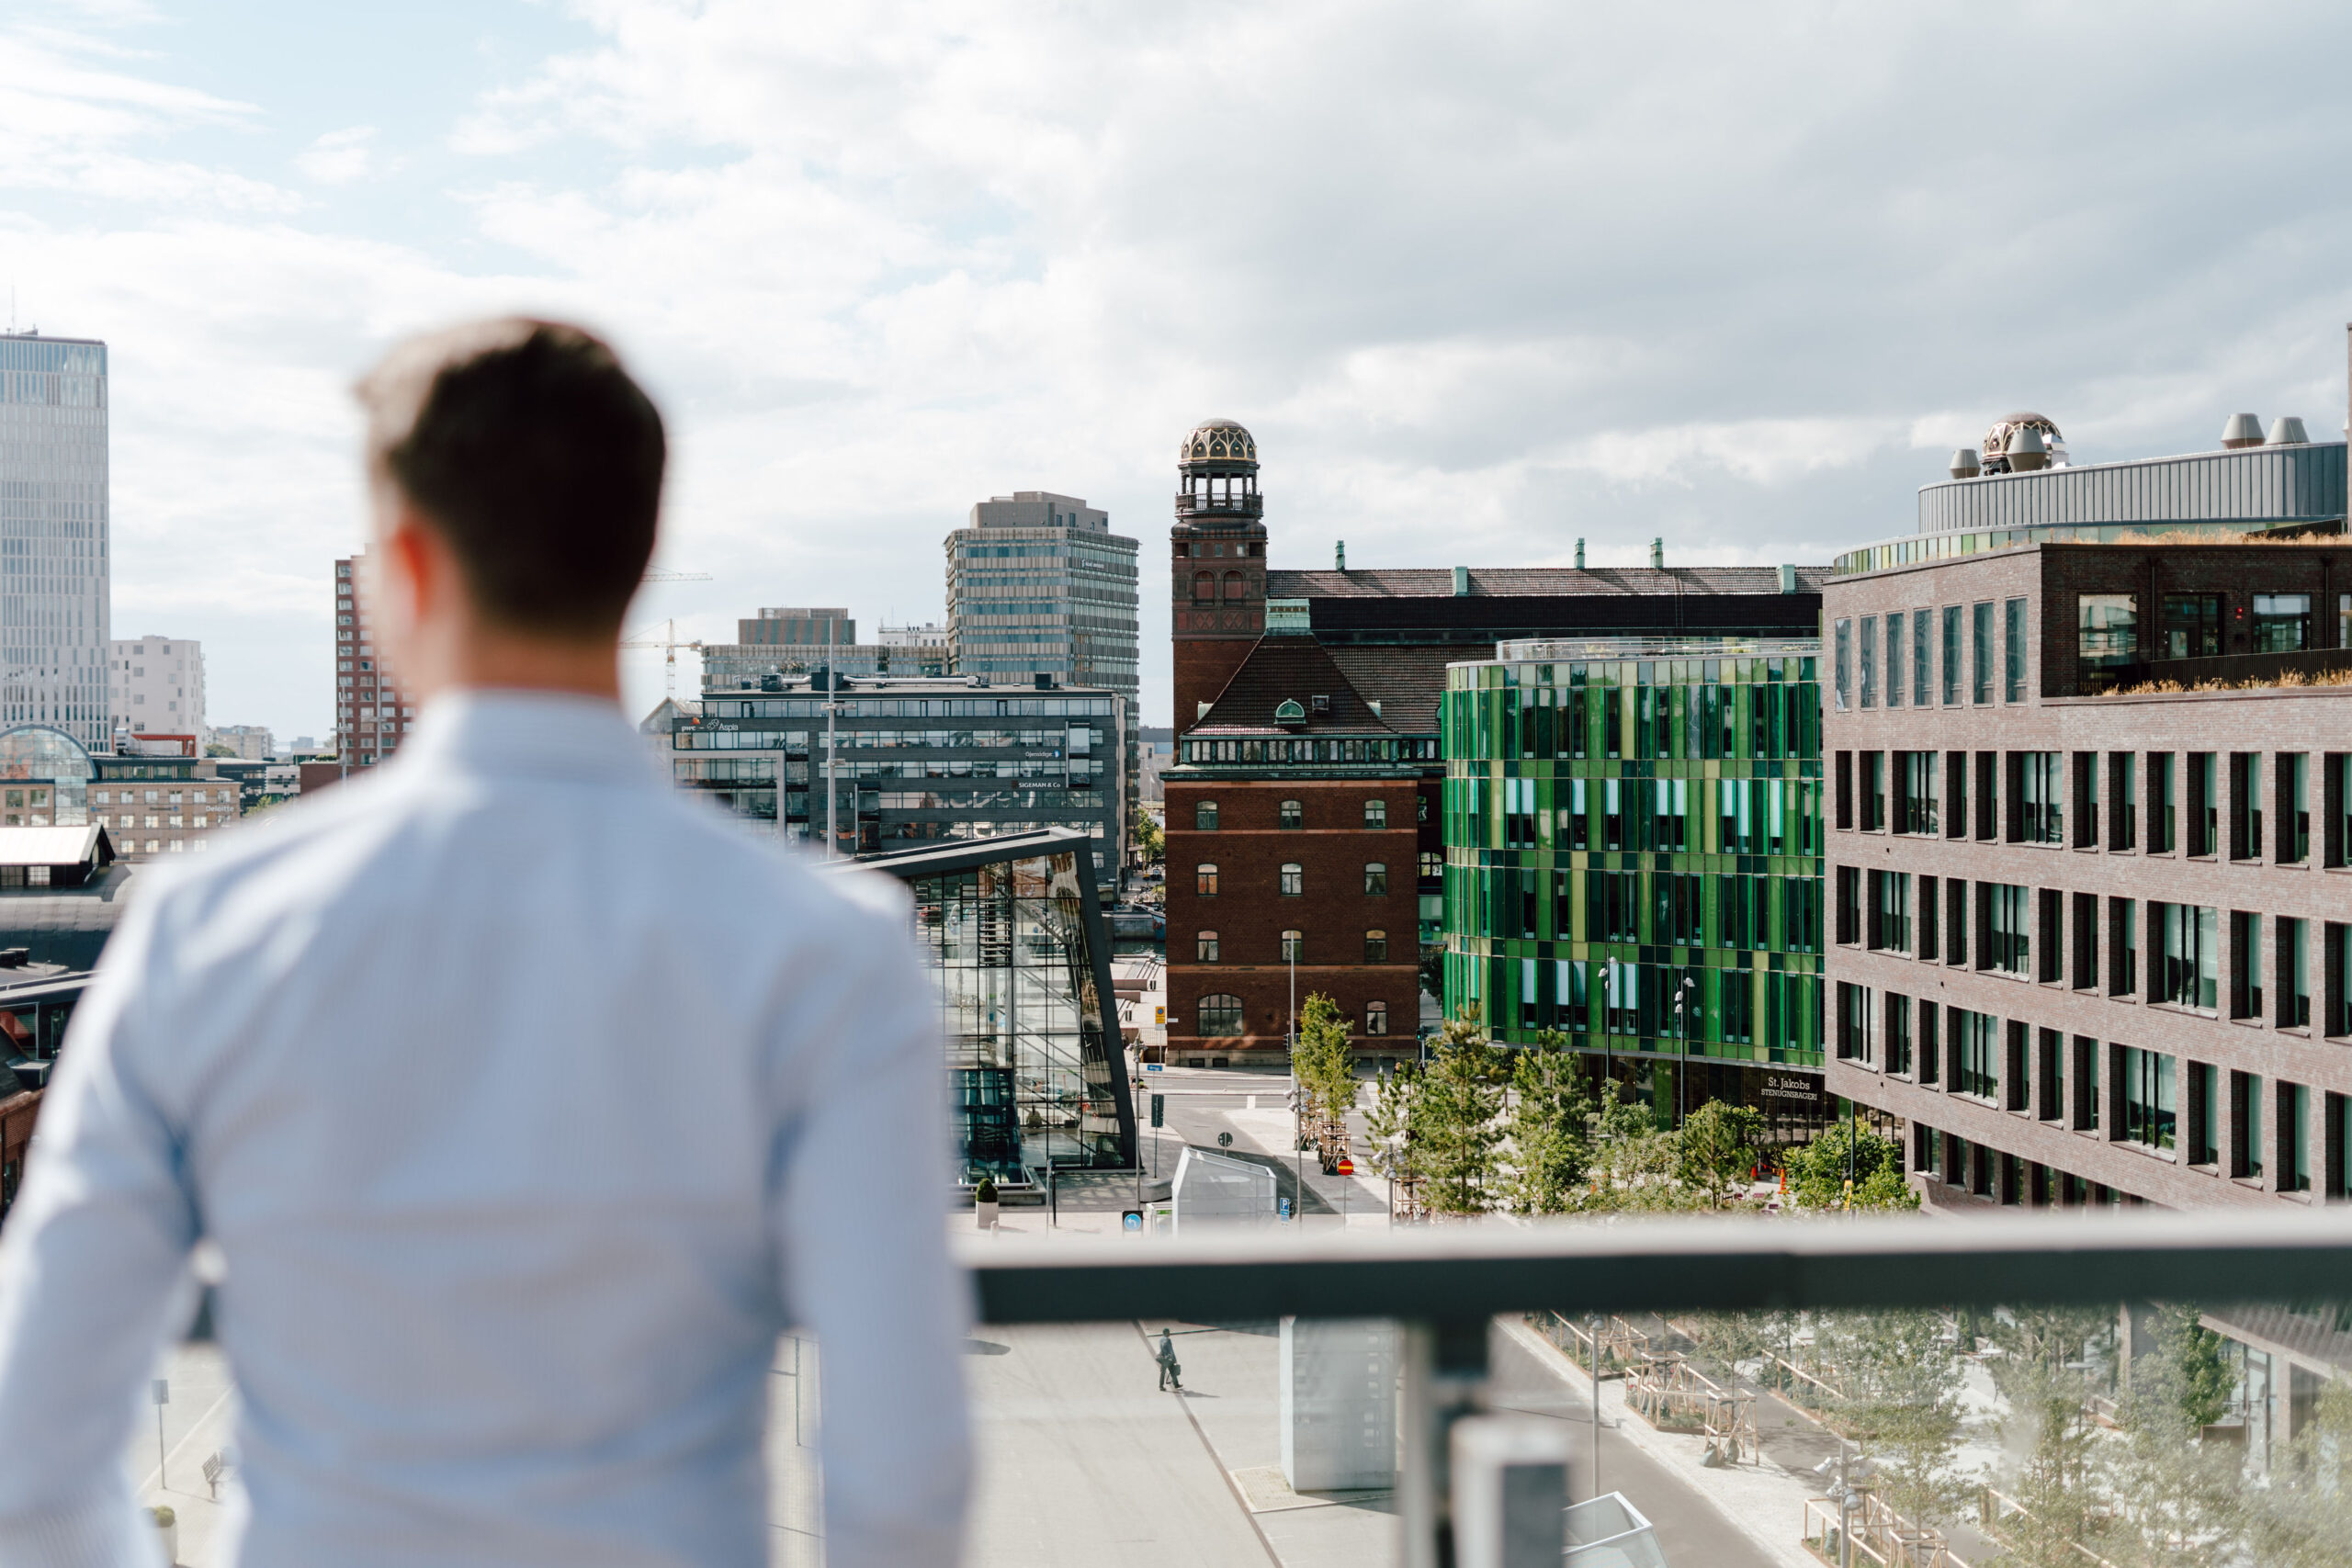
(527, 1101)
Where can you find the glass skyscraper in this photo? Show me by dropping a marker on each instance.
(55, 519)
(1037, 584)
(1633, 824)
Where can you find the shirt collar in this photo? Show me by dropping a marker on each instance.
(509, 731)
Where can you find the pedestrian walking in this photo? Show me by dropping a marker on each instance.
(1171, 1373)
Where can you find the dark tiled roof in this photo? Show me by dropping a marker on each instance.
(66, 925)
(1538, 581)
(1407, 682)
(1295, 669)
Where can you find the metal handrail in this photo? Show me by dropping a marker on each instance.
(1455, 1274)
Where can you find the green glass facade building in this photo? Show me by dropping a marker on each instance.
(1634, 858)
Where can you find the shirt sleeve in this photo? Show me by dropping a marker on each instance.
(860, 1219)
(92, 1268)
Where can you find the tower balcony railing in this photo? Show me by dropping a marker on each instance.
(1212, 507)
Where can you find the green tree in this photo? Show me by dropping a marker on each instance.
(1150, 842)
(2178, 1502)
(1324, 1063)
(1716, 1150)
(1454, 1127)
(2304, 1520)
(1634, 1160)
(1899, 1378)
(2043, 1374)
(1549, 1138)
(1818, 1171)
(1390, 1121)
(1433, 972)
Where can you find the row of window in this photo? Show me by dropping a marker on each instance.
(1289, 814)
(1570, 723)
(1302, 748)
(1205, 584)
(1292, 879)
(1658, 908)
(2051, 936)
(1209, 948)
(1220, 1016)
(1778, 817)
(2177, 1107)
(1910, 641)
(2005, 1177)
(1673, 1005)
(2030, 797)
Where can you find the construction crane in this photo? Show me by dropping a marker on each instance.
(669, 644)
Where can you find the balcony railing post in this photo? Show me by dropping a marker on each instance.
(1444, 1379)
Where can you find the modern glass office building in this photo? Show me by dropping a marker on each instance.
(54, 521)
(1634, 858)
(1019, 945)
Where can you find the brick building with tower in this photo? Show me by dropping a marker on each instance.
(1304, 800)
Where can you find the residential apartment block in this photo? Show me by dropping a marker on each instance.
(2092, 925)
(372, 713)
(156, 684)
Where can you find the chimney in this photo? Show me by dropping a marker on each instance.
(1657, 554)
(1581, 542)
(1461, 581)
(1788, 578)
(1340, 556)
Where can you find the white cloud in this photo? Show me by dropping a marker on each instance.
(340, 157)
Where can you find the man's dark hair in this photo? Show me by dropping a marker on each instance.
(533, 453)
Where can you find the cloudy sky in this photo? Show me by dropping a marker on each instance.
(1483, 278)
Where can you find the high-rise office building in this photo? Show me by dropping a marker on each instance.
(53, 520)
(1037, 584)
(371, 711)
(157, 685)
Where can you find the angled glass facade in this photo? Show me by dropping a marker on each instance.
(1022, 957)
(54, 521)
(1631, 823)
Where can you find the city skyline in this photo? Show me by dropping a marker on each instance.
(998, 286)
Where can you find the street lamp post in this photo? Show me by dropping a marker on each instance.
(1683, 1011)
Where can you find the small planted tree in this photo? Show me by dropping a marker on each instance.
(1716, 1150)
(1818, 1171)
(1456, 1128)
(1549, 1144)
(1324, 1064)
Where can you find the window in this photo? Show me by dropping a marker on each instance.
(1873, 792)
(1916, 791)
(2042, 820)
(2151, 1099)
(2289, 936)
(1895, 661)
(2294, 1119)
(1956, 794)
(2282, 622)
(2204, 803)
(1375, 947)
(2106, 640)
(1870, 661)
(2245, 965)
(1290, 815)
(1233, 587)
(1898, 1033)
(1219, 1015)
(1919, 619)
(2192, 625)
(2293, 845)
(2013, 651)
(1376, 880)
(2336, 797)
(1293, 879)
(1856, 1040)
(2245, 1124)
(2187, 969)
(2123, 947)
(1376, 1018)
(1841, 664)
(2006, 915)
(1977, 1053)
(1204, 947)
(2246, 805)
(1293, 949)
(1204, 817)
(2204, 1124)
(1955, 922)
(1951, 656)
(2123, 793)
(1891, 911)
(1849, 900)
(2163, 830)
(1375, 813)
(1980, 669)
(2336, 941)
(1205, 881)
(1204, 587)
(1432, 864)
(2086, 942)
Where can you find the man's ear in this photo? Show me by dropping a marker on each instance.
(417, 567)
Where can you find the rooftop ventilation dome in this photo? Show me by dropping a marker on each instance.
(1218, 440)
(2288, 431)
(2243, 430)
(1997, 443)
(2027, 451)
(1965, 464)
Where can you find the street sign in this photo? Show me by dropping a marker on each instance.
(1281, 1208)
(1131, 1220)
(1158, 1110)
(160, 1391)
(1347, 1165)
(1225, 1140)
(1151, 1067)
